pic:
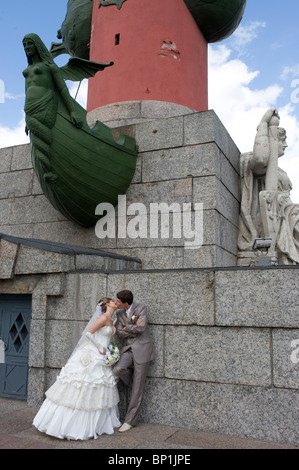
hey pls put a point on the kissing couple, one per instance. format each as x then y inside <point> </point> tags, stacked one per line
<point>83,402</point>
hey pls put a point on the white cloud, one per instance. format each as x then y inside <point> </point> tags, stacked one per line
<point>290,161</point>
<point>290,72</point>
<point>81,94</point>
<point>245,34</point>
<point>240,107</point>
<point>10,96</point>
<point>14,136</point>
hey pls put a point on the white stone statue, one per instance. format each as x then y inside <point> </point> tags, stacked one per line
<point>266,207</point>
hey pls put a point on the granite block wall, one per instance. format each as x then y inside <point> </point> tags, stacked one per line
<point>224,339</point>
<point>223,349</point>
<point>186,158</point>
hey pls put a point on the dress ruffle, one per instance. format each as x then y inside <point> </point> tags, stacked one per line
<point>74,424</point>
<point>83,396</point>
<point>82,403</point>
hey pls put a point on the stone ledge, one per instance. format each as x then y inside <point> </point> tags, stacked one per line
<point>132,112</point>
<point>33,256</point>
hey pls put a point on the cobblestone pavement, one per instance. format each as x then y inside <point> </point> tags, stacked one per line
<point>17,432</point>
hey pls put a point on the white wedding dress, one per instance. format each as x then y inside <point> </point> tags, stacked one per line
<point>83,402</point>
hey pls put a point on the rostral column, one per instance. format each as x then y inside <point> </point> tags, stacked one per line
<point>159,54</point>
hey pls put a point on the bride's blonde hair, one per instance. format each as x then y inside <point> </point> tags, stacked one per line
<point>103,303</point>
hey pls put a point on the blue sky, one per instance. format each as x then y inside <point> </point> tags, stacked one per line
<point>256,68</point>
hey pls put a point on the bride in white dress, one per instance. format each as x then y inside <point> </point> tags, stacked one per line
<point>83,402</point>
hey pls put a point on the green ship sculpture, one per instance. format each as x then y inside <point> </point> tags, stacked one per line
<point>75,30</point>
<point>77,167</point>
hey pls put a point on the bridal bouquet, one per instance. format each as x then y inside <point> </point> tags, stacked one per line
<point>112,355</point>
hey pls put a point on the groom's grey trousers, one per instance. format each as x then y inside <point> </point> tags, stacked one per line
<point>124,371</point>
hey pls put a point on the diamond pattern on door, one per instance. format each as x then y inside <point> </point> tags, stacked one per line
<point>15,316</point>
<point>19,332</point>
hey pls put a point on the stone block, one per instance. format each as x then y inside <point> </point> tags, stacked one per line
<point>37,343</point>
<point>224,258</point>
<point>156,257</point>
<point>20,230</point>
<point>211,354</point>
<point>36,386</point>
<point>39,303</point>
<point>168,295</point>
<point>61,230</point>
<point>160,134</point>
<point>133,112</point>
<point>82,292</point>
<point>244,411</point>
<point>158,192</point>
<point>90,262</point>
<point>156,368</point>
<point>183,187</point>
<point>33,209</point>
<point>286,358</point>
<point>151,109</point>
<point>229,176</point>
<point>214,195</point>
<point>211,228</point>
<point>228,236</point>
<point>15,184</point>
<point>204,256</point>
<point>5,209</point>
<point>21,157</point>
<point>55,284</point>
<point>31,260</point>
<point>51,376</point>
<point>115,112</point>
<point>19,285</point>
<point>8,255</point>
<point>256,297</point>
<point>206,127</point>
<point>178,163</point>
<point>5,159</point>
<point>137,178</point>
<point>36,187</point>
<point>59,343</point>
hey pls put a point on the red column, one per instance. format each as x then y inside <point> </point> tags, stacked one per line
<point>158,53</point>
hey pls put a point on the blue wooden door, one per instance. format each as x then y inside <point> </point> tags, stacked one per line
<point>15,316</point>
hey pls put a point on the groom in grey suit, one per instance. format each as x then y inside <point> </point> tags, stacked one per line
<point>137,353</point>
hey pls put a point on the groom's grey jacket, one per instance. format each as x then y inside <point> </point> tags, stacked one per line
<point>136,336</point>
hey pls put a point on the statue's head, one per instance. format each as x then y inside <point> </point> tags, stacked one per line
<point>34,41</point>
<point>282,141</point>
